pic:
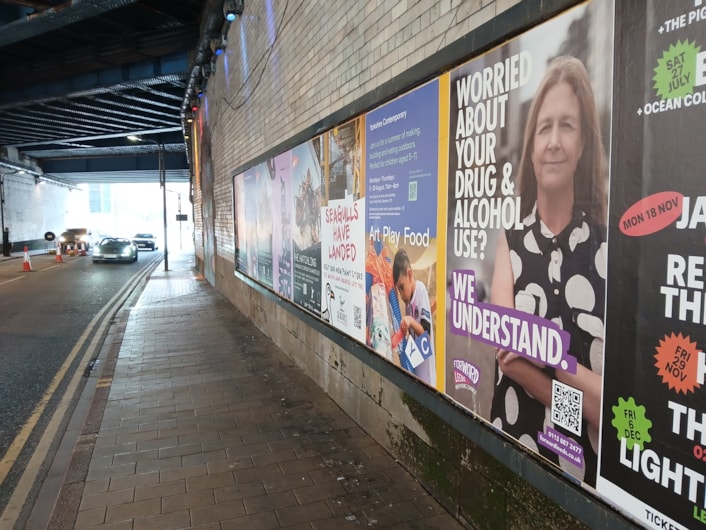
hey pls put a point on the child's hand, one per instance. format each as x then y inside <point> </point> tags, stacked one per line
<point>405,324</point>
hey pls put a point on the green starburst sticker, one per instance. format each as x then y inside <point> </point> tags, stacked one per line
<point>631,423</point>
<point>675,72</point>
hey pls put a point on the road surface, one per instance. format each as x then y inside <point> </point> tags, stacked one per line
<point>52,321</point>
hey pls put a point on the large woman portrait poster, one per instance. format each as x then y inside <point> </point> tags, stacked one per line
<point>526,250</point>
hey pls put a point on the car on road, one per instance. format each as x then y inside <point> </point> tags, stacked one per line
<point>145,240</point>
<point>73,237</point>
<point>115,249</point>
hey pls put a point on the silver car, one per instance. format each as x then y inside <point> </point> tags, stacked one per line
<point>114,249</point>
<point>145,241</point>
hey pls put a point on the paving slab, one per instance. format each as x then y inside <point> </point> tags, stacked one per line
<point>206,424</point>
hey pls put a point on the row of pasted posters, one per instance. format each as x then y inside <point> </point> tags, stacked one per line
<point>525,233</point>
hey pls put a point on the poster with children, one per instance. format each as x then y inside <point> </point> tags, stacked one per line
<point>526,245</point>
<point>401,140</point>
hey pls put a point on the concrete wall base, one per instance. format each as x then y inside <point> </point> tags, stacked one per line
<point>481,491</point>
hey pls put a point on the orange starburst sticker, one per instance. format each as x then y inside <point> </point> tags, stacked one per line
<point>678,362</point>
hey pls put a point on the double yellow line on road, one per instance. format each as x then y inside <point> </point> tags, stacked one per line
<point>101,321</point>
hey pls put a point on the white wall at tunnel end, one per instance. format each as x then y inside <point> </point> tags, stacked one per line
<point>33,208</point>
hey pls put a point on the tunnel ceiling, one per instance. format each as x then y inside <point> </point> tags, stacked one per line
<point>79,77</point>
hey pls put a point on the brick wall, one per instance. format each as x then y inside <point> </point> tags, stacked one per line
<point>287,75</point>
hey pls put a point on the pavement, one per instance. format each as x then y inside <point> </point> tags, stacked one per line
<point>200,421</point>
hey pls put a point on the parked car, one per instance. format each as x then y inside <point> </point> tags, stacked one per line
<point>73,237</point>
<point>115,249</point>
<point>145,241</point>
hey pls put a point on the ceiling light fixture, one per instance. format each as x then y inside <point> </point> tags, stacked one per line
<point>232,9</point>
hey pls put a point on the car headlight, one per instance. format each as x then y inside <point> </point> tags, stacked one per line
<point>126,251</point>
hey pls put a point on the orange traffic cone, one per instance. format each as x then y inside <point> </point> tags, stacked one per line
<point>27,265</point>
<point>83,249</point>
<point>58,259</point>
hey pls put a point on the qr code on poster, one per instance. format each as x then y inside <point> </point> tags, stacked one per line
<point>567,408</point>
<point>412,195</point>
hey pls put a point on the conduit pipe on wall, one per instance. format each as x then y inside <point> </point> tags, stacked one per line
<point>212,20</point>
<point>211,24</point>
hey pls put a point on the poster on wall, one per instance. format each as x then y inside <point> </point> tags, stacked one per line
<point>306,224</point>
<point>343,231</point>
<point>241,228</point>
<point>401,141</point>
<point>653,441</point>
<point>264,178</point>
<point>252,197</point>
<point>281,207</point>
<point>247,249</point>
<point>526,246</point>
